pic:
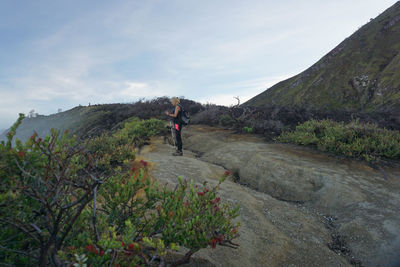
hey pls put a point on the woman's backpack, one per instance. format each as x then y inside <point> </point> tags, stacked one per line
<point>185,116</point>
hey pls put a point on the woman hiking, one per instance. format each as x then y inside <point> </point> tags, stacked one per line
<point>176,116</point>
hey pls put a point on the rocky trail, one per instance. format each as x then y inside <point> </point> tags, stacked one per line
<point>299,207</point>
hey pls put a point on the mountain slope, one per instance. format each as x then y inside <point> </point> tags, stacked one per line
<point>361,73</point>
<point>86,121</point>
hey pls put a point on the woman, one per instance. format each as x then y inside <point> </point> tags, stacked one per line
<point>176,115</point>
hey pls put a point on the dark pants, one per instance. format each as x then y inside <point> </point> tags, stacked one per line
<point>178,137</point>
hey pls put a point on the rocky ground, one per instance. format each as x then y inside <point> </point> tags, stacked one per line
<point>299,207</point>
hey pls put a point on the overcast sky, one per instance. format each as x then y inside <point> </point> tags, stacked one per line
<point>59,54</point>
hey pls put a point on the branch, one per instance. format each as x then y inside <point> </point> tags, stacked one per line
<point>76,202</point>
<point>96,183</point>
<point>78,212</point>
<point>37,230</point>
<point>6,264</point>
<point>22,228</point>
<point>184,259</point>
<point>229,244</point>
<point>35,194</point>
<point>18,252</point>
<point>238,100</point>
<point>96,233</point>
<point>112,259</point>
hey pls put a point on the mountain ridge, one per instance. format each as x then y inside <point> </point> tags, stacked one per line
<point>360,73</point>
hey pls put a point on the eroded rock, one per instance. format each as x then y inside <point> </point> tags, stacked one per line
<point>288,195</point>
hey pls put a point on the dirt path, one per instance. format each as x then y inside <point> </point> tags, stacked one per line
<point>296,201</point>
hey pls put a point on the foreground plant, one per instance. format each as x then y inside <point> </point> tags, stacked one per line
<point>140,222</point>
<point>49,183</point>
<point>64,204</point>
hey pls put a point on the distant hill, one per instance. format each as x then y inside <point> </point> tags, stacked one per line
<point>86,121</point>
<point>361,74</point>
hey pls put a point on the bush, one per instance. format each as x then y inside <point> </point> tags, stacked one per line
<point>114,150</point>
<point>59,207</point>
<point>354,139</point>
<point>134,127</point>
<point>111,151</point>
<point>50,181</point>
<point>141,223</point>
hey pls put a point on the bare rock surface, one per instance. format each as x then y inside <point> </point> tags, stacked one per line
<point>299,207</point>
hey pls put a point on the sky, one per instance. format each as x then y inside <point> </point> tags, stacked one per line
<point>60,54</point>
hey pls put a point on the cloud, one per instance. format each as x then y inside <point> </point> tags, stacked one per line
<point>245,90</point>
<point>120,51</point>
<point>140,89</point>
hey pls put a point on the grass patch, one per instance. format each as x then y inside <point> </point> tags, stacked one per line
<point>354,139</point>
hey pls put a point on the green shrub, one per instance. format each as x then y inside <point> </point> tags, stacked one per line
<point>59,207</point>
<point>135,127</point>
<point>111,151</point>
<point>114,150</point>
<point>50,181</point>
<point>140,220</point>
<point>247,129</point>
<point>353,139</point>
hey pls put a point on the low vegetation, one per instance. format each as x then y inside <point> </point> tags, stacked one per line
<point>70,203</point>
<point>353,139</point>
<point>144,129</point>
<point>93,120</point>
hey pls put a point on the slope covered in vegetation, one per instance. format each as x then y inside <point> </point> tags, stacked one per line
<point>361,73</point>
<point>87,121</point>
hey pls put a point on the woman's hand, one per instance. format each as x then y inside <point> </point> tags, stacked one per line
<point>166,113</point>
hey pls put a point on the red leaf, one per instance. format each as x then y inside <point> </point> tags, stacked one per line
<point>213,242</point>
<point>21,154</point>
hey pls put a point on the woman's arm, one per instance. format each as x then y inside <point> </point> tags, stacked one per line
<point>177,109</point>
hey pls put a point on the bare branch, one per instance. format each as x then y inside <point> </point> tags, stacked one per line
<point>238,100</point>
<point>94,218</point>
<point>37,229</point>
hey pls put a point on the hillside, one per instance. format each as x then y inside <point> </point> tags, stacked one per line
<point>86,121</point>
<point>360,74</point>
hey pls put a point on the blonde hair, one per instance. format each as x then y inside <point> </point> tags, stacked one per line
<point>175,100</point>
